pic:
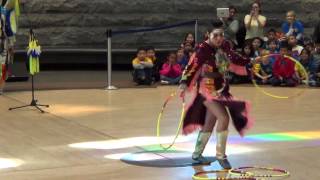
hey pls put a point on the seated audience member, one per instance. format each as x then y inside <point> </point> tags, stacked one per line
<point>187,47</point>
<point>295,48</point>
<point>151,54</point>
<point>273,48</point>
<point>316,53</point>
<point>206,35</point>
<point>271,35</point>
<point>191,52</point>
<point>284,69</point>
<point>263,71</point>
<point>189,38</point>
<point>309,45</point>
<point>182,59</point>
<point>309,65</point>
<point>171,71</point>
<point>238,72</point>
<point>316,57</point>
<point>257,45</point>
<point>293,27</point>
<point>142,65</point>
<point>188,50</point>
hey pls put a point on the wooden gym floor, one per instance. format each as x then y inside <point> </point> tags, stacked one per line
<point>86,132</point>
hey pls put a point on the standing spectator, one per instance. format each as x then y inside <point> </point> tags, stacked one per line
<point>284,69</point>
<point>171,71</point>
<point>293,44</point>
<point>231,26</point>
<point>255,22</point>
<point>293,27</point>
<point>142,66</point>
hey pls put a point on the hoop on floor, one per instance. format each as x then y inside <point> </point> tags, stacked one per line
<point>283,97</point>
<point>172,95</point>
<point>244,170</point>
<point>240,176</point>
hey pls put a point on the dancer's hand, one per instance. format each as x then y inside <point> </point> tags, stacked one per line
<point>182,89</point>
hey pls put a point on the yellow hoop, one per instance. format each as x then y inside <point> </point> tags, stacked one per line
<point>180,122</point>
<point>282,97</point>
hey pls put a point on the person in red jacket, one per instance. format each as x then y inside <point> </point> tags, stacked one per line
<point>284,69</point>
<point>171,71</point>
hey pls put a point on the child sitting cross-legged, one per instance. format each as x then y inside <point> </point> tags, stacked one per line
<point>263,71</point>
<point>284,68</point>
<point>142,73</point>
<point>171,71</point>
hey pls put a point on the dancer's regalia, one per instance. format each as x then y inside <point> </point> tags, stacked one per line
<point>9,12</point>
<point>205,76</point>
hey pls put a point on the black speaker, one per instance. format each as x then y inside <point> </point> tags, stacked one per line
<point>17,72</point>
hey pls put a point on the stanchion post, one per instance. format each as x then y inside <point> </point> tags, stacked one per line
<point>109,37</point>
<point>196,31</point>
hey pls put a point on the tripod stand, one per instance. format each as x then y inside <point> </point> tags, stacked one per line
<point>33,101</point>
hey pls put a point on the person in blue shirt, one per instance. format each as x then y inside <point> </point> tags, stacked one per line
<point>293,27</point>
<point>182,58</point>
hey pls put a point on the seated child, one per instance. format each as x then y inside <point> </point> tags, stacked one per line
<point>310,66</point>
<point>171,71</point>
<point>273,47</point>
<point>238,72</point>
<point>296,49</point>
<point>293,26</point>
<point>257,45</point>
<point>271,36</point>
<point>182,59</point>
<point>151,54</point>
<point>263,71</point>
<point>142,66</point>
<point>284,69</point>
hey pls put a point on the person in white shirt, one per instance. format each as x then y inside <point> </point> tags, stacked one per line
<point>255,22</point>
